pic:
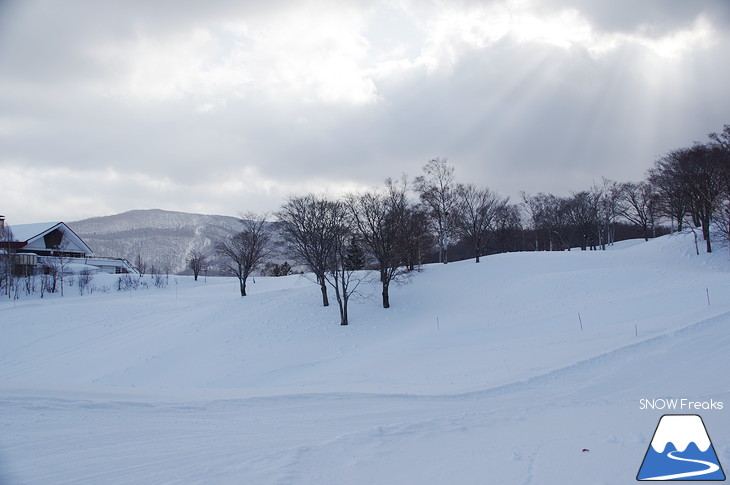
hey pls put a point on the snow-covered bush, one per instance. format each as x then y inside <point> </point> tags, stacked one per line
<point>127,282</point>
<point>84,279</point>
<point>160,280</point>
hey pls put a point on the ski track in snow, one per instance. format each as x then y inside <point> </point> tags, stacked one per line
<point>212,389</point>
<point>711,468</point>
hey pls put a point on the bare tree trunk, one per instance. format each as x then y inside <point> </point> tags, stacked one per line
<point>342,301</point>
<point>323,287</point>
<point>694,233</point>
<point>386,297</point>
<point>706,233</point>
<point>242,284</point>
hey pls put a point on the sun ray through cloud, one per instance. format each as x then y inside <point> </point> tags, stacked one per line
<point>314,91</point>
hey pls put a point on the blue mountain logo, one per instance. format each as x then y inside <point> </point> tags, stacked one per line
<point>681,450</point>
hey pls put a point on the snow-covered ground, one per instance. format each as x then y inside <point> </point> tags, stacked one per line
<point>480,373</point>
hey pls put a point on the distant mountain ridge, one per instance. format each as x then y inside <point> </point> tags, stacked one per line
<point>161,238</point>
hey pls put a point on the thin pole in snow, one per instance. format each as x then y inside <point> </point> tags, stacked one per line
<point>438,328</point>
<point>636,330</point>
<point>708,296</point>
<point>581,322</point>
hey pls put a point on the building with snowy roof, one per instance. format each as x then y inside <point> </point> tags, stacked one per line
<point>33,244</point>
<point>48,239</point>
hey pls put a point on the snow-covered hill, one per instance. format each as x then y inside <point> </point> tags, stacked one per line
<point>161,238</point>
<point>477,374</point>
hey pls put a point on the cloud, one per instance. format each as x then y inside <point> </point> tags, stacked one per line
<point>221,107</point>
<point>296,55</point>
<point>649,17</point>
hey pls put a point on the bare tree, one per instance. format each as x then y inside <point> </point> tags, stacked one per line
<point>672,198</point>
<point>311,226</point>
<point>438,192</point>
<point>197,262</point>
<point>477,209</point>
<point>418,238</point>
<point>379,219</point>
<point>245,251</point>
<point>342,273</point>
<point>721,143</point>
<point>141,265</point>
<point>508,230</point>
<point>607,197</point>
<point>722,221</point>
<point>722,139</point>
<point>638,205</point>
<point>698,175</point>
<point>534,209</point>
<point>84,281</point>
<point>551,219</point>
<point>7,257</point>
<point>583,215</point>
<point>61,259</point>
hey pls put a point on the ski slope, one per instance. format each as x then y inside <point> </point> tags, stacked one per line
<point>479,373</point>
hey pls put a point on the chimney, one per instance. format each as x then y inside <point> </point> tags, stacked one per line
<point>2,227</point>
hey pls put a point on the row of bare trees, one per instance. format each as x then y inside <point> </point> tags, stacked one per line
<point>394,229</point>
<point>586,219</point>
<point>390,231</point>
<point>692,185</point>
<point>380,230</point>
<point>687,187</point>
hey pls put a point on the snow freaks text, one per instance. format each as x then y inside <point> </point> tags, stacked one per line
<point>680,405</point>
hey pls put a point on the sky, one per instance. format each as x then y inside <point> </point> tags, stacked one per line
<point>225,107</point>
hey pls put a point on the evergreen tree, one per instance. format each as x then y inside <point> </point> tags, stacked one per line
<point>355,256</point>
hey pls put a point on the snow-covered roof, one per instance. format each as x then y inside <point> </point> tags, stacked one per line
<point>28,233</point>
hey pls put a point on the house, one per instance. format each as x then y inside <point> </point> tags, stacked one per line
<point>37,245</point>
<point>48,239</point>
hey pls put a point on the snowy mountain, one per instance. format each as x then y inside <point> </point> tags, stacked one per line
<point>478,373</point>
<point>680,430</point>
<point>161,238</point>
<point>680,450</point>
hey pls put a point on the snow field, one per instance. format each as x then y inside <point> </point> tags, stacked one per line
<point>478,374</point>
